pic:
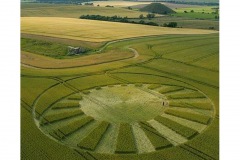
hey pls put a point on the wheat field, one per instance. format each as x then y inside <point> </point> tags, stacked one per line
<point>95,31</point>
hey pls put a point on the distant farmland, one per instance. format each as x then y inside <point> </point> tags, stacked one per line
<point>73,11</point>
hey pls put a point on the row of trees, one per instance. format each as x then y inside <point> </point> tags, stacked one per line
<point>170,24</point>
<point>126,20</point>
<point>116,19</point>
<point>149,16</point>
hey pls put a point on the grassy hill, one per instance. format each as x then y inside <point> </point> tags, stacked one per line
<point>73,11</point>
<point>157,8</point>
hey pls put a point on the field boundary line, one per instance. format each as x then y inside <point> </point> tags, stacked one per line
<point>203,57</point>
<point>29,109</point>
<point>188,64</point>
<point>79,153</point>
<point>197,152</point>
<point>53,103</point>
<point>205,44</point>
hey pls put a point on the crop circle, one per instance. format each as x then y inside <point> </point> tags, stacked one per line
<point>150,117</point>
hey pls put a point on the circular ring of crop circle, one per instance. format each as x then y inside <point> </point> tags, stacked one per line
<point>126,118</point>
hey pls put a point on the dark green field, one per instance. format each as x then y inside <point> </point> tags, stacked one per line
<point>153,97</point>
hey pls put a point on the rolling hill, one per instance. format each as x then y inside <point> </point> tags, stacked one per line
<point>157,8</point>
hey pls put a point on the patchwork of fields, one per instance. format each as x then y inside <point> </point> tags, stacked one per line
<point>142,92</point>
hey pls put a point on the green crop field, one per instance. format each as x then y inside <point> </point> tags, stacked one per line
<point>139,92</point>
<point>125,141</point>
<point>204,12</point>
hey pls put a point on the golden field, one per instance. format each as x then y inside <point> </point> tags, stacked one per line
<point>95,31</point>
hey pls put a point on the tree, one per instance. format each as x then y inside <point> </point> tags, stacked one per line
<point>141,16</point>
<point>141,22</point>
<point>150,15</point>
<point>170,24</point>
<point>165,25</point>
<point>185,12</point>
<point>192,11</point>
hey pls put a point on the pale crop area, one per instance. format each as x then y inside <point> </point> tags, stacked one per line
<point>95,31</point>
<point>122,104</point>
<point>118,3</point>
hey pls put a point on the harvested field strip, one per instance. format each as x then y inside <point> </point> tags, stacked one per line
<point>61,116</point>
<point>125,141</point>
<point>79,134</point>
<point>75,125</point>
<point>158,141</point>
<point>91,141</point>
<point>168,133</point>
<point>109,140</point>
<point>190,116</point>
<point>66,105</point>
<point>142,142</point>
<point>182,130</point>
